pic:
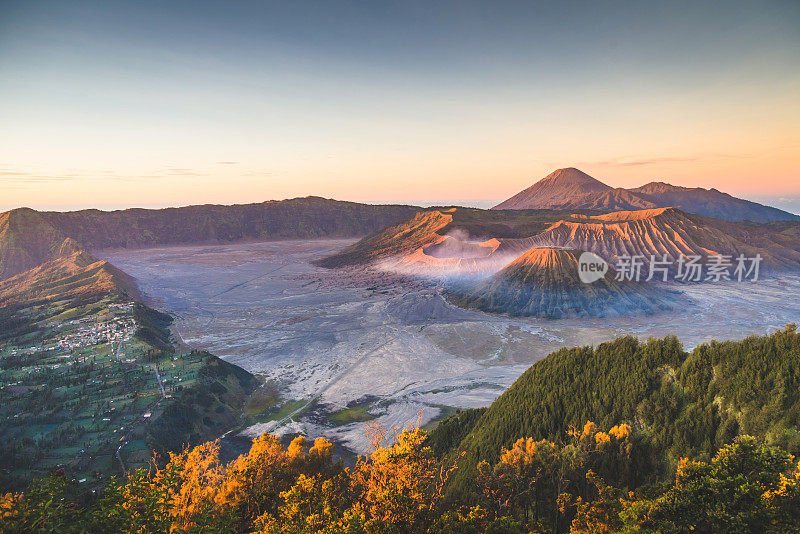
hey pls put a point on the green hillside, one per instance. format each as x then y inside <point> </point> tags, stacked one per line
<point>685,404</point>
<point>90,382</point>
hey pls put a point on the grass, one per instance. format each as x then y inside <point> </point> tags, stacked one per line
<point>287,408</point>
<point>262,400</point>
<point>352,414</point>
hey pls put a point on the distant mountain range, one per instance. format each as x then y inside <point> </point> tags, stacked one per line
<point>571,188</point>
<point>673,232</point>
<point>474,240</point>
<point>45,253</point>
<point>29,237</point>
<point>452,238</point>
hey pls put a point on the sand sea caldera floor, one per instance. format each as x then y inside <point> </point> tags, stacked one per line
<point>330,339</point>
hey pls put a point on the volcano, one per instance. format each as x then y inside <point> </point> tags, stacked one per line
<point>670,231</point>
<point>573,189</point>
<point>545,282</point>
<point>562,189</point>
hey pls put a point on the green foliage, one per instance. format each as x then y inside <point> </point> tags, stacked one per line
<point>607,384</point>
<point>203,410</point>
<point>454,429</point>
<point>152,327</point>
<point>535,486</point>
<point>747,487</point>
<point>686,405</point>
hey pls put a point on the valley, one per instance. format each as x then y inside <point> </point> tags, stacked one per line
<point>335,348</point>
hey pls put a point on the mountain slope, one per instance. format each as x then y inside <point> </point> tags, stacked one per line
<point>297,218</point>
<point>710,203</point>
<point>78,347</point>
<point>404,238</point>
<point>566,188</point>
<point>666,231</point>
<point>460,240</point>
<point>26,240</point>
<point>74,274</point>
<point>544,282</point>
<point>452,238</point>
<point>573,189</point>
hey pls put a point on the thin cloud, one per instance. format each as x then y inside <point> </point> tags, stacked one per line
<point>625,162</point>
<point>185,172</point>
<point>30,178</point>
<point>641,162</point>
<point>227,162</point>
<point>8,176</point>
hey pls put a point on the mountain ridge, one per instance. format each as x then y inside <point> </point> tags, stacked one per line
<point>29,237</point>
<point>570,188</point>
<point>669,231</point>
<point>444,241</point>
<point>76,273</point>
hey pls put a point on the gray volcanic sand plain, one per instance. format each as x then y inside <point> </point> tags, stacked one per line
<point>332,338</point>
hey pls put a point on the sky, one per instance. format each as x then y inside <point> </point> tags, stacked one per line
<point>116,104</point>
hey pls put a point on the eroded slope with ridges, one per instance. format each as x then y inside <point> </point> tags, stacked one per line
<point>545,282</point>
<point>666,231</point>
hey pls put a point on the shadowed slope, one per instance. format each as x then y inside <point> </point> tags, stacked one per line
<point>29,237</point>
<point>710,203</point>
<point>545,282</point>
<point>26,240</point>
<point>297,218</point>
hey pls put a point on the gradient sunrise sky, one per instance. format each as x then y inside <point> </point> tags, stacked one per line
<point>115,104</point>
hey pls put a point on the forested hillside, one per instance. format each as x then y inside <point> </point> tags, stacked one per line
<point>685,404</point>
